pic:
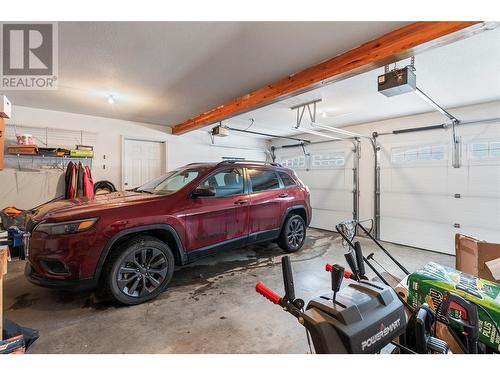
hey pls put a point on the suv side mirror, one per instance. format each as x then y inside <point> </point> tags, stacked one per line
<point>203,191</point>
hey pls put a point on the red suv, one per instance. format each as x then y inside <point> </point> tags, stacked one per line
<point>129,242</point>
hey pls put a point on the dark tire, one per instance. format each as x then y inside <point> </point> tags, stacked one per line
<point>293,234</point>
<point>138,270</point>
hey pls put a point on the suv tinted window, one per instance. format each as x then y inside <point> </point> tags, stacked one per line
<point>226,182</point>
<point>287,180</point>
<point>263,179</point>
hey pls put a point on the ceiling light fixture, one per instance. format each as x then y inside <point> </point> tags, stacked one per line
<point>111,99</point>
<point>339,131</point>
<point>314,132</point>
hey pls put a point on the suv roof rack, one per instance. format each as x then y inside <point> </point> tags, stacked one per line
<point>243,161</point>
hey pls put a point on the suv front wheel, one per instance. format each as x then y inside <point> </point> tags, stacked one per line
<point>293,234</point>
<point>139,270</point>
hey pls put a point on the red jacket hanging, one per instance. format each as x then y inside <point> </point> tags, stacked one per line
<point>88,183</point>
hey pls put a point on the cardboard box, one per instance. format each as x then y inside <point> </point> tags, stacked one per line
<point>22,149</point>
<point>473,254</point>
<point>429,284</point>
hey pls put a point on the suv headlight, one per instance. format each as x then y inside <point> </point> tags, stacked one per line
<point>66,227</point>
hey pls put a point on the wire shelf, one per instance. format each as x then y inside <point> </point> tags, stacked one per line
<point>36,163</point>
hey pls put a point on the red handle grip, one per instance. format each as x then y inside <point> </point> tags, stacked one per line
<point>262,289</point>
<point>347,274</point>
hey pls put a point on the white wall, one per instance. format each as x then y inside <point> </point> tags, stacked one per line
<point>28,189</point>
<point>468,113</point>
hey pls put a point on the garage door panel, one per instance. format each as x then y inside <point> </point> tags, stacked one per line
<point>478,212</point>
<point>417,233</point>
<point>433,236</point>
<point>485,234</point>
<point>326,219</point>
<point>417,206</point>
<point>324,179</point>
<point>331,200</point>
<point>484,179</point>
<point>468,211</point>
<point>418,180</point>
<point>457,180</point>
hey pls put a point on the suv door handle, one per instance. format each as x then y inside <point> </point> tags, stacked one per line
<point>241,201</point>
<point>284,195</point>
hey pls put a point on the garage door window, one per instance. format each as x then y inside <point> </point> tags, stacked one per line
<point>485,150</point>
<point>328,160</point>
<point>414,154</point>
<point>295,162</point>
<point>263,179</point>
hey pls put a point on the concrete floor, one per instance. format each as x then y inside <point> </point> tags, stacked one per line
<point>210,306</point>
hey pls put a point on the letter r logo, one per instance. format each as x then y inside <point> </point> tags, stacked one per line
<point>27,49</point>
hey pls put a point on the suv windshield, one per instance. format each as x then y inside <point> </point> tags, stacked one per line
<point>171,182</point>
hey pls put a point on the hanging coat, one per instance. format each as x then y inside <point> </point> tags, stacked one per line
<point>88,183</point>
<point>67,179</point>
<point>72,185</point>
<point>79,189</point>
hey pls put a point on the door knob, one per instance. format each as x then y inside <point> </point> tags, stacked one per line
<point>241,201</point>
<point>284,195</point>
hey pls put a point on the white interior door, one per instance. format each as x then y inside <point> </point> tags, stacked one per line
<point>425,201</point>
<point>142,162</point>
<point>327,171</point>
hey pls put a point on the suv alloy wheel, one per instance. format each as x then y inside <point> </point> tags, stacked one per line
<point>139,270</point>
<point>293,234</point>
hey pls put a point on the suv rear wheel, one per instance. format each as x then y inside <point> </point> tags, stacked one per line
<point>139,270</point>
<point>293,234</point>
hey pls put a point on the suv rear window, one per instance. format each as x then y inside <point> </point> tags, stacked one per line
<point>263,179</point>
<point>287,180</point>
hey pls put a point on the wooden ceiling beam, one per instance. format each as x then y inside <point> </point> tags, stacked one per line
<point>393,46</point>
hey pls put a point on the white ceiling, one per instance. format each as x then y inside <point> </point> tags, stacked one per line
<point>166,72</point>
<point>462,73</point>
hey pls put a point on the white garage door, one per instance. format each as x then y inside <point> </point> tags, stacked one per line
<point>327,171</point>
<point>425,201</point>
